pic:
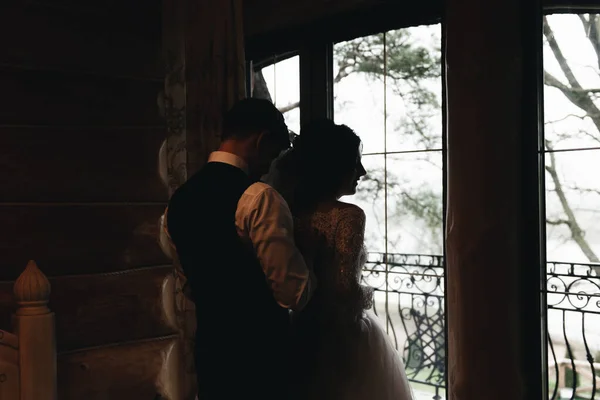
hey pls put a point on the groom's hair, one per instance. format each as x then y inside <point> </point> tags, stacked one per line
<point>251,116</point>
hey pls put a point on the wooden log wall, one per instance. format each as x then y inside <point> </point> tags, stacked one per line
<point>80,132</point>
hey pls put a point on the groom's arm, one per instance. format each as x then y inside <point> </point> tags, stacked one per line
<point>265,219</point>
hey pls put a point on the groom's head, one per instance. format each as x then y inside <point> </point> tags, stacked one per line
<point>255,130</point>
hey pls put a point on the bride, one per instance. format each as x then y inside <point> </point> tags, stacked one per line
<point>344,352</point>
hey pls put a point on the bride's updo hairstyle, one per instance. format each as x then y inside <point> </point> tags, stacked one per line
<point>322,156</point>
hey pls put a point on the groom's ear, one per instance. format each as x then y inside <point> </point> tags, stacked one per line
<point>261,138</point>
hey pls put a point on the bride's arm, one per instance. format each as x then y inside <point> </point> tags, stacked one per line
<point>349,240</point>
<point>350,252</point>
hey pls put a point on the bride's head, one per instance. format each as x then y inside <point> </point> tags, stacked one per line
<point>325,161</point>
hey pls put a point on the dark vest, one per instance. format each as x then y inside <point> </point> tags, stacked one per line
<point>240,327</point>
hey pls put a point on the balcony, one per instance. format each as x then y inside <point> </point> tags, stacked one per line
<point>409,299</point>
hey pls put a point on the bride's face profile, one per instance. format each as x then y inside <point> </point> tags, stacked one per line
<point>350,181</point>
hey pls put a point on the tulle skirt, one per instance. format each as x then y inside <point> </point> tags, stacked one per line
<point>352,363</point>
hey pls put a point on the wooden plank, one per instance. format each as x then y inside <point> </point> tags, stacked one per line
<point>94,310</point>
<point>33,35</point>
<point>127,371</point>
<point>33,97</point>
<point>75,239</point>
<point>136,13</point>
<point>51,165</point>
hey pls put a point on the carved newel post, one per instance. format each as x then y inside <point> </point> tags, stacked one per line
<point>34,325</point>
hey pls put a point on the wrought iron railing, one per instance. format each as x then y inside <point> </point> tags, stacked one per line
<point>573,298</point>
<point>409,297</point>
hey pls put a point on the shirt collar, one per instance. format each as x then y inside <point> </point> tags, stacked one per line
<point>228,158</point>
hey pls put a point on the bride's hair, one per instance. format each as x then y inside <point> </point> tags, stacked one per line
<point>321,157</point>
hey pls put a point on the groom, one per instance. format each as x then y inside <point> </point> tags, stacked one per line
<point>234,239</point>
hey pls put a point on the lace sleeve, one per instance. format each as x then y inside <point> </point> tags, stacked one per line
<point>351,257</point>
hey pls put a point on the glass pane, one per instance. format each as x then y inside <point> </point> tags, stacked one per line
<point>572,81</point>
<point>370,197</point>
<point>573,206</point>
<point>572,131</point>
<point>414,88</point>
<point>358,93</point>
<point>388,89</point>
<point>280,83</point>
<point>415,203</point>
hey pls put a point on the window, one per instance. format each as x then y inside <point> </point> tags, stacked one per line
<point>278,80</point>
<point>572,161</point>
<point>388,88</point>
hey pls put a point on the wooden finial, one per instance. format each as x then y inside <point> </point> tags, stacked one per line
<point>32,291</point>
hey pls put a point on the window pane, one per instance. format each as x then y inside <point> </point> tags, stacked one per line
<point>359,95</point>
<point>370,197</point>
<point>572,85</point>
<point>280,83</point>
<point>572,203</point>
<point>388,89</point>
<point>573,206</point>
<point>415,203</point>
<point>414,89</point>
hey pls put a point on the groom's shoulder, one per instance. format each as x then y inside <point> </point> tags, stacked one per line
<point>258,188</point>
<point>261,189</point>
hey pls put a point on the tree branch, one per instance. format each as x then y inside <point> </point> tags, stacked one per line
<point>574,92</point>
<point>577,233</point>
<point>567,117</point>
<point>557,222</point>
<point>591,26</point>
<point>289,107</point>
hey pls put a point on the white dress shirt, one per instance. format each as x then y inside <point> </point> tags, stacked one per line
<point>264,221</point>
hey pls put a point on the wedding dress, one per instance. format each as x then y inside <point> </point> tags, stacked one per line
<point>344,351</point>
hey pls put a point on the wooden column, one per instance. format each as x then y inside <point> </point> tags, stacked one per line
<point>493,265</point>
<point>316,82</point>
<point>34,326</point>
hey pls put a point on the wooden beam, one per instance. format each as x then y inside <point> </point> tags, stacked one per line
<point>263,16</point>
<point>316,82</point>
<point>267,16</point>
<point>274,28</point>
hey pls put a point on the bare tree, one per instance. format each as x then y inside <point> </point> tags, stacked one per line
<point>587,100</point>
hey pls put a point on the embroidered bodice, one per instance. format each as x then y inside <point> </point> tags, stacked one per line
<point>332,240</point>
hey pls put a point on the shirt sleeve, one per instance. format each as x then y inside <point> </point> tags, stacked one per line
<point>267,221</point>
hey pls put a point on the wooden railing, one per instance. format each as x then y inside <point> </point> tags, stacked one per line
<point>28,356</point>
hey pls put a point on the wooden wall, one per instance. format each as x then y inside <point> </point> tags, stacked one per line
<point>80,132</point>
